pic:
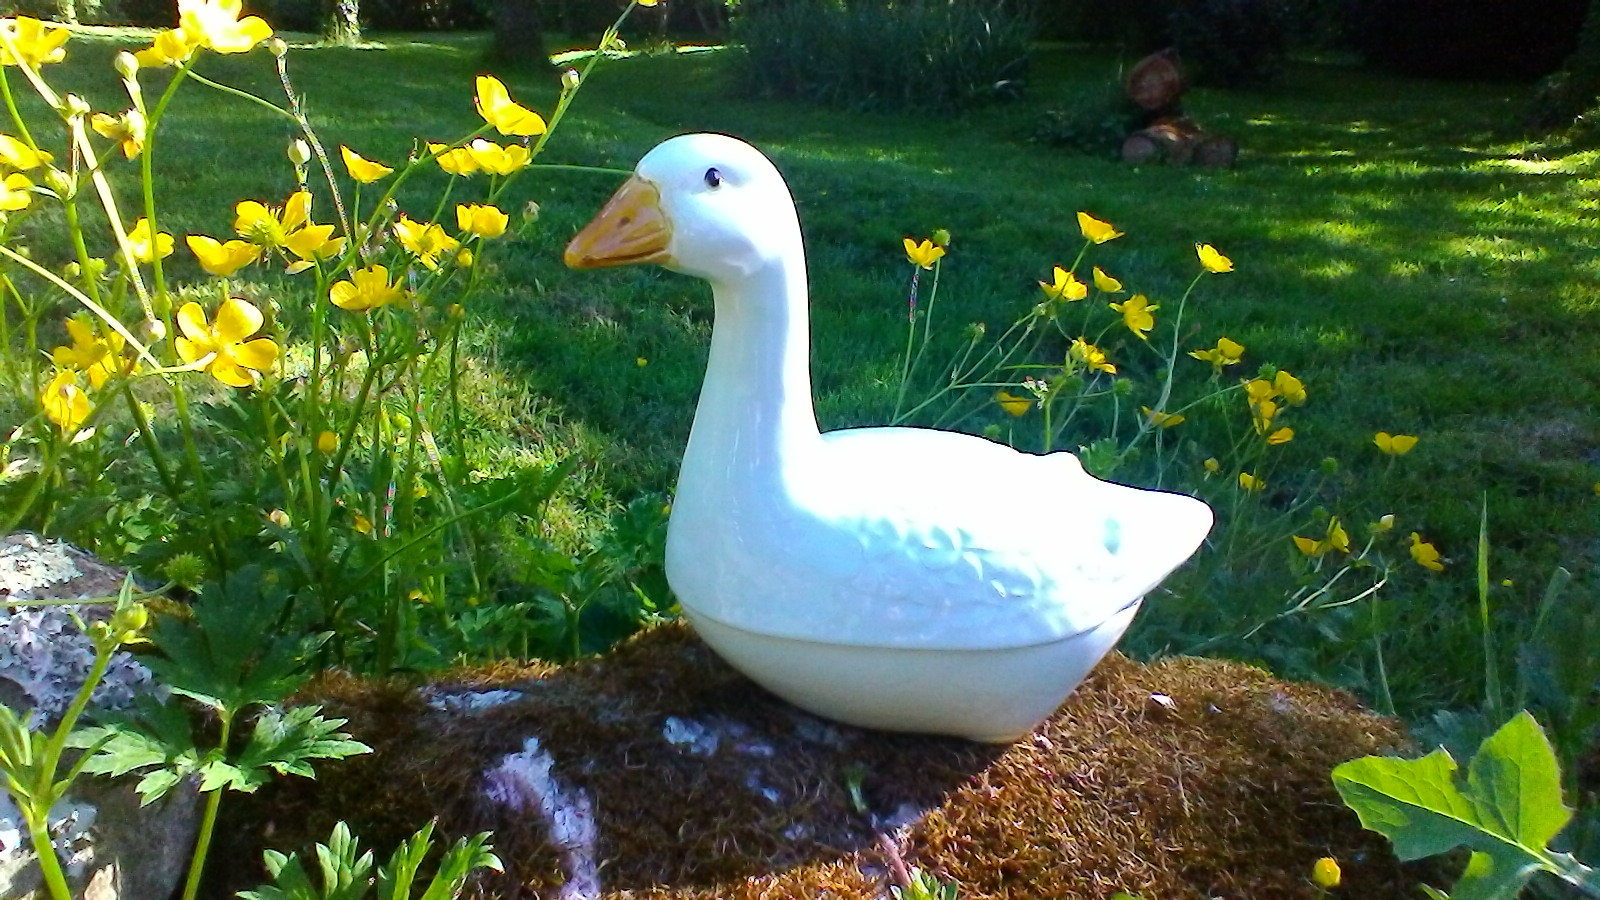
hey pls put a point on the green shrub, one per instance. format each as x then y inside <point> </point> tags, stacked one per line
<point>874,54</point>
<point>1469,38</point>
<point>1232,43</point>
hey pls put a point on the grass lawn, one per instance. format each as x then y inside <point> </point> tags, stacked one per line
<point>1418,264</point>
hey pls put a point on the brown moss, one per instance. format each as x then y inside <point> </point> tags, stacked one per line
<point>1187,778</point>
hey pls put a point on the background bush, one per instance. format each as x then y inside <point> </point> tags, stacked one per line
<point>1469,38</point>
<point>876,54</point>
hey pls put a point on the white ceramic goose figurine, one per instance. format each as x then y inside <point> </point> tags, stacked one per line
<point>897,578</point>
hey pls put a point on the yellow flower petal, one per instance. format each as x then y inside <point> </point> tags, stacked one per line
<point>1064,286</point>
<point>18,155</point>
<point>1425,554</point>
<point>1105,283</point>
<point>1096,230</point>
<point>222,259</point>
<point>236,320</point>
<point>1249,482</point>
<point>260,354</point>
<point>361,169</point>
<point>482,220</point>
<point>923,254</point>
<point>1211,260</point>
<point>1394,444</point>
<point>31,42</point>
<point>495,105</point>
<point>1012,404</point>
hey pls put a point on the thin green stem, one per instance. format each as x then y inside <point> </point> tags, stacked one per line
<point>208,822</point>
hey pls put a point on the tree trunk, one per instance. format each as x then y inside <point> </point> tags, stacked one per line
<point>344,26</point>
<point>518,35</point>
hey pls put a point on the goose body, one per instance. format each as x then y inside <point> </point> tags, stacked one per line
<point>899,578</point>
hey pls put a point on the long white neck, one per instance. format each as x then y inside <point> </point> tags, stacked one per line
<point>755,409</point>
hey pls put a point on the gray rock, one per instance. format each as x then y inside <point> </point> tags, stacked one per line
<point>109,846</point>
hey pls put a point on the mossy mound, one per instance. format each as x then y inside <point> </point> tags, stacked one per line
<point>1187,778</point>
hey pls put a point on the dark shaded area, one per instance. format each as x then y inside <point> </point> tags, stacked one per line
<point>1188,778</point>
<point>1479,39</point>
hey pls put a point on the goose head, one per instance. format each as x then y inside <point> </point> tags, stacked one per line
<point>706,205</point>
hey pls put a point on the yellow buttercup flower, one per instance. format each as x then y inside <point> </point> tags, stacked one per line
<point>222,344</point>
<point>145,246</point>
<point>1425,554</point>
<point>1394,444</point>
<point>215,25</point>
<point>923,255</point>
<point>1326,873</point>
<point>1211,260</point>
<point>1281,436</point>
<point>126,128</point>
<point>457,161</point>
<point>426,242</point>
<point>647,2</point>
<point>1290,388</point>
<point>18,155</point>
<point>510,118</point>
<point>1225,353</point>
<point>1136,315</point>
<point>95,356</point>
<point>481,220</point>
<point>256,222</point>
<point>16,192</point>
<point>222,259</point>
<point>1161,419</point>
<point>1012,404</point>
<point>1105,283</point>
<point>312,242</point>
<point>464,258</point>
<point>367,288</point>
<point>1091,356</point>
<point>1250,482</point>
<point>170,48</point>
<point>361,523</point>
<point>1212,466</point>
<point>361,169</point>
<point>498,160</point>
<point>327,443</point>
<point>1336,539</point>
<point>64,403</point>
<point>25,40</point>
<point>1096,230</point>
<point>1064,286</point>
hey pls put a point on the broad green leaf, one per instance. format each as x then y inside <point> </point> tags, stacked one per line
<point>1510,808</point>
<point>1515,784</point>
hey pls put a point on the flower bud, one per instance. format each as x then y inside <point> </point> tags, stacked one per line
<point>530,213</point>
<point>1326,873</point>
<point>279,518</point>
<point>456,311</point>
<point>128,621</point>
<point>276,47</point>
<point>941,237</point>
<point>75,106</point>
<point>570,79</point>
<point>127,65</point>
<point>58,181</point>
<point>299,152</point>
<point>152,330</point>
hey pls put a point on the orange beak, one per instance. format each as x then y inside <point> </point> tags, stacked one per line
<point>630,228</point>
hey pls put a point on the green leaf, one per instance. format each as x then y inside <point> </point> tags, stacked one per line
<point>155,738</point>
<point>284,741</point>
<point>1510,809</point>
<point>1516,785</point>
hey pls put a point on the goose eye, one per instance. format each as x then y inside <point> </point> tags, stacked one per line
<point>713,178</point>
